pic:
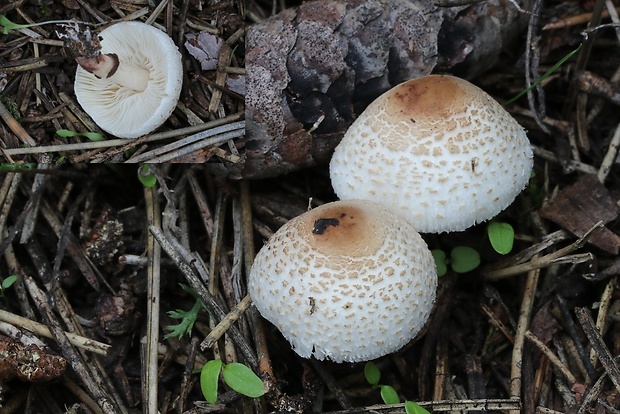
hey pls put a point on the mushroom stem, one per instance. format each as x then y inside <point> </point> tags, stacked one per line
<point>108,66</point>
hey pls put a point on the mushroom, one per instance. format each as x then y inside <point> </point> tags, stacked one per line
<point>438,150</point>
<point>132,84</point>
<point>348,281</point>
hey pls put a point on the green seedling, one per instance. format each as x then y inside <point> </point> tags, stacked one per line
<point>232,55</point>
<point>373,375</point>
<point>129,153</point>
<point>146,176</point>
<point>188,318</point>
<point>7,283</point>
<point>9,25</point>
<point>440,261</point>
<point>237,376</point>
<point>413,408</point>
<point>93,136</point>
<point>209,380</point>
<point>463,259</point>
<point>501,235</point>
<point>544,76</point>
<point>388,393</point>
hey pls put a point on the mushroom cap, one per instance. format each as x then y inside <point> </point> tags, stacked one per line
<point>124,112</point>
<point>349,281</point>
<point>438,150</point>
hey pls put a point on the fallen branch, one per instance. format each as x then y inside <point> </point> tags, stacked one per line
<point>42,330</point>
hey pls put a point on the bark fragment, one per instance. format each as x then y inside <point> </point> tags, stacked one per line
<point>306,67</point>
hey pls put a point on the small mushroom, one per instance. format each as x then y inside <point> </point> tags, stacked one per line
<point>131,85</point>
<point>349,281</point>
<point>438,150</point>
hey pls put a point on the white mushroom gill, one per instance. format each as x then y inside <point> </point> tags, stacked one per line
<point>116,103</point>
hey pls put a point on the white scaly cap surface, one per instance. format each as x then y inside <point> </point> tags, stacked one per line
<point>438,150</point>
<point>124,112</point>
<point>348,281</point>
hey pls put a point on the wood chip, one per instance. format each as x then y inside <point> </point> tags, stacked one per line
<point>579,207</point>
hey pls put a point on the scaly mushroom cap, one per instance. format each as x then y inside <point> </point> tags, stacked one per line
<point>119,110</point>
<point>438,150</point>
<point>349,281</point>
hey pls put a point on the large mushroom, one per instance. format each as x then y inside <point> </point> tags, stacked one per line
<point>437,150</point>
<point>131,85</point>
<point>348,281</point>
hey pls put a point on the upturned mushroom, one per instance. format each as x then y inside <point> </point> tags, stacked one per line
<point>437,150</point>
<point>348,281</point>
<point>130,80</point>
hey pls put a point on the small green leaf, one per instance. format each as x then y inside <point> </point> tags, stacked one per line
<point>189,290</point>
<point>8,281</point>
<point>188,318</point>
<point>209,378</point>
<point>501,236</point>
<point>413,408</point>
<point>389,395</point>
<point>5,23</point>
<point>65,133</point>
<point>9,25</point>
<point>146,177</point>
<point>464,259</point>
<point>93,136</point>
<point>372,373</point>
<point>243,380</point>
<point>440,261</point>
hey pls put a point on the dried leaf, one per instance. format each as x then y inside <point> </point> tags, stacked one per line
<point>205,48</point>
<point>236,83</point>
<point>579,207</point>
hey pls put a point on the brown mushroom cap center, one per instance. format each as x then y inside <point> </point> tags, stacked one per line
<point>427,107</point>
<point>431,97</point>
<point>342,231</point>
